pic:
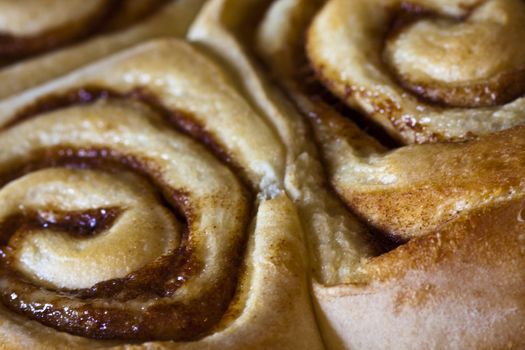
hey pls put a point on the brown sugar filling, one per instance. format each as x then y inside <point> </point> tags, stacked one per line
<point>498,90</point>
<point>85,312</point>
<point>113,15</point>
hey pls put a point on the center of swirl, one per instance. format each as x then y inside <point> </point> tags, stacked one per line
<point>475,61</point>
<point>141,276</point>
<point>59,241</point>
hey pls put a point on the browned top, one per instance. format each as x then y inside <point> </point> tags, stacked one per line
<point>110,15</point>
<point>498,90</point>
<point>74,311</point>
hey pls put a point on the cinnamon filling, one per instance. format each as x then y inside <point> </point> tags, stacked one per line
<point>113,15</point>
<point>181,120</point>
<point>79,224</point>
<point>308,82</point>
<point>139,306</point>
<point>493,90</point>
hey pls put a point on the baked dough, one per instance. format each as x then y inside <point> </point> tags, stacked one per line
<point>446,71</point>
<point>444,268</point>
<point>218,194</point>
<point>134,23</point>
<point>134,216</point>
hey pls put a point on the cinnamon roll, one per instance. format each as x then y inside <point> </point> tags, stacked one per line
<point>416,246</point>
<point>426,71</point>
<point>143,206</point>
<point>41,40</point>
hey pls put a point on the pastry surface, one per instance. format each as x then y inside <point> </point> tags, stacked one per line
<point>134,216</point>
<point>292,174</point>
<point>45,49</point>
<point>411,246</point>
<point>427,71</point>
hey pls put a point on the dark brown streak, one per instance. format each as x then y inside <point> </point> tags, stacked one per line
<point>18,47</point>
<point>155,281</point>
<point>499,90</point>
<point>102,159</point>
<point>125,19</point>
<point>308,81</point>
<point>81,224</point>
<point>314,86</point>
<point>107,19</point>
<point>181,120</point>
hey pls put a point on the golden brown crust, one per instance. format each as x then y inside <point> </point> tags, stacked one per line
<point>419,246</point>
<point>137,21</point>
<point>462,287</point>
<point>237,257</point>
<point>450,71</point>
<point>458,280</point>
<point>33,27</point>
<point>26,32</point>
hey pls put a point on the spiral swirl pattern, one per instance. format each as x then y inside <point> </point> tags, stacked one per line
<point>177,262</point>
<point>398,192</point>
<point>128,197</point>
<point>446,71</point>
<point>421,237</point>
<point>31,27</point>
<point>158,199</point>
<point>42,40</point>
